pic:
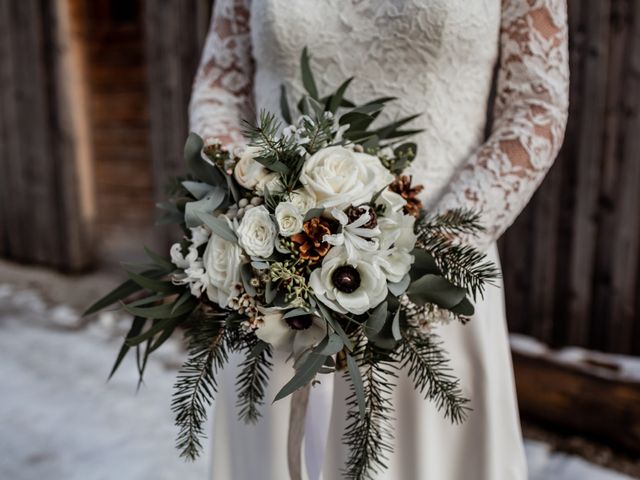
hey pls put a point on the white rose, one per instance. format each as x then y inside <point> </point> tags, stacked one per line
<point>302,200</point>
<point>257,233</point>
<point>222,261</point>
<point>391,201</point>
<point>344,285</point>
<point>339,177</point>
<point>249,172</point>
<point>397,231</point>
<point>289,219</point>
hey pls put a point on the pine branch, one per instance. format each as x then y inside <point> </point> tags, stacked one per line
<point>252,379</point>
<point>196,385</point>
<point>429,369</point>
<point>370,438</point>
<point>458,221</point>
<point>462,265</point>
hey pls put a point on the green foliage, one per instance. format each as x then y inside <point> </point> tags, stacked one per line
<point>429,369</point>
<point>458,221</point>
<point>209,346</point>
<point>252,379</point>
<point>369,437</point>
<point>437,290</point>
<point>462,265</point>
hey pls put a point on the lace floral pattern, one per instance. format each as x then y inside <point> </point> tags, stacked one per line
<point>530,116</point>
<point>436,56</point>
<point>222,91</point>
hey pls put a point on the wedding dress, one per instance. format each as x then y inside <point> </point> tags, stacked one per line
<point>438,58</point>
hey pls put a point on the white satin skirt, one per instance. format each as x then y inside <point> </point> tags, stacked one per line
<point>488,446</point>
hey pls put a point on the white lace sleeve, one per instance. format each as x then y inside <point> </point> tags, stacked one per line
<point>530,115</point>
<point>222,91</point>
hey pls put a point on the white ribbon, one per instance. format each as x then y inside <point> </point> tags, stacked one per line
<point>309,420</point>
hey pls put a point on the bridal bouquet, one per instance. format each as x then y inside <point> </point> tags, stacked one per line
<point>311,241</point>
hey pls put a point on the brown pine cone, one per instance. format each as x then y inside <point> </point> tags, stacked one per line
<point>309,242</point>
<point>402,186</point>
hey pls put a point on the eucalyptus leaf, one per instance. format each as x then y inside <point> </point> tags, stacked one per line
<point>198,189</point>
<point>395,326</point>
<point>389,129</point>
<point>334,345</point>
<point>206,205</point>
<point>161,311</point>
<point>336,98</point>
<point>158,327</point>
<point>197,165</point>
<point>270,292</point>
<point>437,290</point>
<point>356,381</point>
<point>160,261</point>
<point>464,308</point>
<point>121,292</point>
<point>136,327</point>
<point>246,274</point>
<point>376,320</point>
<point>423,264</point>
<point>284,105</point>
<point>304,374</point>
<point>296,312</point>
<point>313,213</point>
<point>219,227</point>
<point>307,75</point>
<point>333,323</point>
<point>152,284</point>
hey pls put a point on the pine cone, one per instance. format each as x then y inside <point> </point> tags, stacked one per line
<point>309,242</point>
<point>402,186</point>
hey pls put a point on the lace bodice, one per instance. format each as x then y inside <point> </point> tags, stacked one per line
<point>436,56</point>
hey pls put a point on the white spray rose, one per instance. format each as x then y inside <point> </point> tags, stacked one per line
<point>222,261</point>
<point>257,233</point>
<point>302,200</point>
<point>289,219</point>
<point>249,172</point>
<point>339,177</point>
<point>349,285</point>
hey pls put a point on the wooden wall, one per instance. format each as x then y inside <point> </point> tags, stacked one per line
<point>46,194</point>
<point>571,261</point>
<point>112,32</point>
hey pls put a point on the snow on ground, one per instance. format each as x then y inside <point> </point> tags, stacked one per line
<point>60,420</point>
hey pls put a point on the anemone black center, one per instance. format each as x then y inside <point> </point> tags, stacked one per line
<point>299,323</point>
<point>346,278</point>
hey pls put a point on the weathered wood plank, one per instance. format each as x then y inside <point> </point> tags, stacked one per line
<point>175,34</point>
<point>587,394</point>
<point>610,175</point>
<point>45,217</point>
<point>626,235</point>
<point>588,165</point>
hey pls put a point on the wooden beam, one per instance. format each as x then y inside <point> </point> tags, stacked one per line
<point>589,395</point>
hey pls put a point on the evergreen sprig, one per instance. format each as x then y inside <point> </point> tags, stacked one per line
<point>458,221</point>
<point>252,379</point>
<point>429,369</point>
<point>462,265</point>
<point>369,437</point>
<point>194,391</point>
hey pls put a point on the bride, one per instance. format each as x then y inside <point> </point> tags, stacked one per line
<point>438,58</point>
